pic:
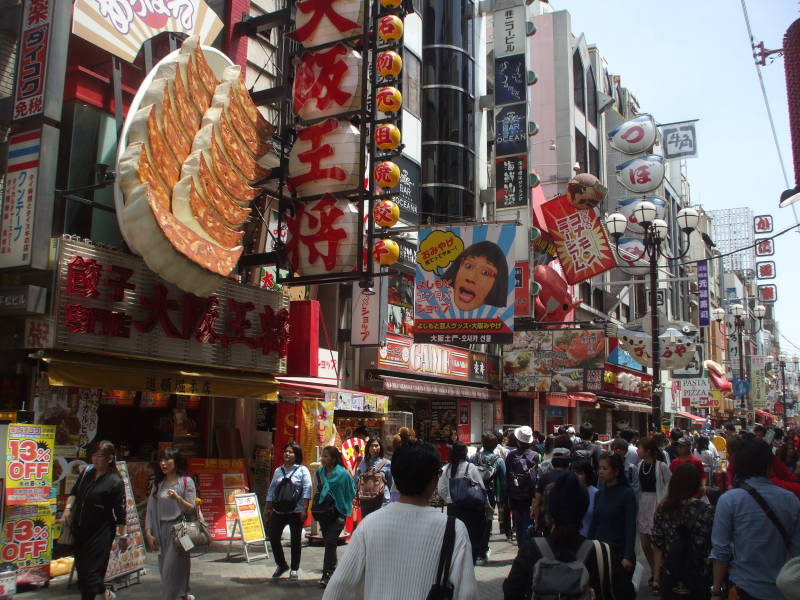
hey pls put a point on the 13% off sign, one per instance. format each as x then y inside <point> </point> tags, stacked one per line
<point>29,464</point>
<point>27,541</point>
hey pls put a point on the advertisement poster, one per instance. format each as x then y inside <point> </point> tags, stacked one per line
<point>74,411</point>
<point>465,285</point>
<point>510,130</point>
<point>444,420</point>
<point>317,426</point>
<point>464,421</point>
<point>26,541</point>
<point>133,559</point>
<point>219,481</point>
<point>511,182</point>
<point>580,239</point>
<point>286,423</point>
<point>562,360</point>
<point>29,464</point>
<point>19,197</point>
<point>249,518</point>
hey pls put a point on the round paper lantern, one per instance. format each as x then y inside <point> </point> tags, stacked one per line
<point>389,99</point>
<point>387,137</point>
<point>386,213</point>
<point>391,3</point>
<point>385,252</point>
<point>389,64</point>
<point>390,27</point>
<point>387,174</point>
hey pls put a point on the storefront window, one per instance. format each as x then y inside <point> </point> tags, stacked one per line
<point>412,90</point>
<point>578,81</point>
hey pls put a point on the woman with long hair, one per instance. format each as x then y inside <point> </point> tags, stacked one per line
<point>172,498</point>
<point>375,464</point>
<point>653,478</point>
<point>683,519</point>
<point>333,480</point>
<point>614,522</point>
<point>474,519</point>
<point>95,509</point>
<point>567,501</point>
<point>788,456</point>
<point>287,504</point>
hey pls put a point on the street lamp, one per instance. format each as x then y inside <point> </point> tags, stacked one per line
<point>782,362</point>
<point>739,313</point>
<point>655,232</point>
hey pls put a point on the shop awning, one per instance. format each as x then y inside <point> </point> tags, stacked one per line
<point>418,386</point>
<point>93,371</point>
<point>633,406</point>
<point>570,400</point>
<point>691,417</point>
<point>766,415</point>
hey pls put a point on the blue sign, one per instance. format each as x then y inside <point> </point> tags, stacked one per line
<point>510,130</point>
<point>509,79</point>
<point>702,294</point>
<point>741,387</point>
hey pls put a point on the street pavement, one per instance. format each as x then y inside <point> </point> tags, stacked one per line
<point>215,577</point>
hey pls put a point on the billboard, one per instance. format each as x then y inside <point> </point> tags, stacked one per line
<point>464,288</point>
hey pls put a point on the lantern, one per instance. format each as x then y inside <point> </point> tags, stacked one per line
<point>386,213</point>
<point>387,174</point>
<point>389,99</point>
<point>635,136</point>
<point>387,137</point>
<point>643,174</point>
<point>327,83</point>
<point>390,27</point>
<point>385,252</point>
<point>389,64</point>
<point>391,3</point>
<point>317,23</point>
<point>324,158</point>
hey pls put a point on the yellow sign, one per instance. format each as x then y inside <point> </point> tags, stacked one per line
<point>318,429</point>
<point>29,463</point>
<point>250,518</point>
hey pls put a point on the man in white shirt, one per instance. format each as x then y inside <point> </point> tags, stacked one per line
<point>394,552</point>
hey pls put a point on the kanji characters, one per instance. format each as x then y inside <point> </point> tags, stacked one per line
<point>314,156</point>
<point>83,277</point>
<point>118,282</point>
<point>318,79</point>
<point>313,227</point>
<point>640,175</point>
<point>318,10</point>
<point>239,324</point>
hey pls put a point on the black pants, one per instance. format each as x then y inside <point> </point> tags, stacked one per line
<point>476,528</point>
<point>277,522</point>
<point>92,551</point>
<point>504,518</point>
<point>330,535</point>
<point>487,531</point>
<point>622,578</point>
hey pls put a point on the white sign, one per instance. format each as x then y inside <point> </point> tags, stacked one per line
<point>328,366</point>
<point>19,199</point>
<point>635,136</point>
<point>509,31</point>
<point>643,174</point>
<point>680,140</point>
<point>696,390</point>
<point>369,318</point>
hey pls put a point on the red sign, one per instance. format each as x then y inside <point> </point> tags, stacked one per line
<point>464,427</point>
<point>768,293</point>
<point>765,247</point>
<point>29,98</point>
<point>627,382</point>
<point>765,269</point>
<point>401,354</point>
<point>762,224</point>
<point>218,481</point>
<point>581,242</point>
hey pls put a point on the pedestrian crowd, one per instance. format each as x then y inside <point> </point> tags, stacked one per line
<point>712,518</point>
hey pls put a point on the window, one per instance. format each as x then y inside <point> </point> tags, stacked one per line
<point>449,22</point>
<point>591,98</point>
<point>448,67</point>
<point>586,293</point>
<point>444,163</point>
<point>594,161</point>
<point>578,84</point>
<point>449,115</point>
<point>580,150</point>
<point>598,302</point>
<point>412,100</point>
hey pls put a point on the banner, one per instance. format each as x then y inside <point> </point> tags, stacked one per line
<point>680,140</point>
<point>33,50</point>
<point>134,558</point>
<point>464,285</point>
<point>580,239</point>
<point>29,464</point>
<point>219,481</point>
<point>19,199</point>
<point>249,518</point>
<point>562,360</point>
<point>317,426</point>
<point>758,388</point>
<point>26,541</point>
<point>703,299</point>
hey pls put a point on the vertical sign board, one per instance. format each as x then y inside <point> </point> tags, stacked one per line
<point>511,182</point>
<point>703,297</point>
<point>32,59</point>
<point>409,194</point>
<point>370,313</point>
<point>680,140</point>
<point>19,199</point>
<point>522,290</point>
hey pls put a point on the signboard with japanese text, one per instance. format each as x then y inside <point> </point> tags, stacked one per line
<point>522,290</point>
<point>32,57</point>
<point>510,31</point>
<point>635,136</point>
<point>400,354</point>
<point>703,297</point>
<point>765,247</point>
<point>369,313</point>
<point>409,195</point>
<point>219,481</point>
<point>564,360</point>
<point>510,130</point>
<point>767,293</point>
<point>122,27</point>
<point>27,542</point>
<point>249,516</point>
<point>762,224</point>
<point>134,558</point>
<point>511,182</point>
<point>108,301</point>
<point>765,269</point>
<point>510,80</point>
<point>758,388</point>
<point>581,242</point>
<point>642,174</point>
<point>19,199</point>
<point>679,140</point>
<point>29,464</point>
<point>465,284</point>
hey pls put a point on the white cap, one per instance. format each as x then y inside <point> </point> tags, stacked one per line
<point>570,430</point>
<point>524,434</point>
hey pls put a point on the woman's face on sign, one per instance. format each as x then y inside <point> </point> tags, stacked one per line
<point>474,280</point>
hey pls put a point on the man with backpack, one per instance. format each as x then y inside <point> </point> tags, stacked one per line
<point>585,448</point>
<point>493,471</point>
<point>521,465</point>
<point>560,464</point>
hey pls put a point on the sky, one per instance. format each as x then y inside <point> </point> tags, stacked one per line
<point>693,60</point>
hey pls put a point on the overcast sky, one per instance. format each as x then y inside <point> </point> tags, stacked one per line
<point>692,60</point>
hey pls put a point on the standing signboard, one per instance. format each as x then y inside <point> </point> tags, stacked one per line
<point>465,285</point>
<point>219,480</point>
<point>134,558</point>
<point>249,525</point>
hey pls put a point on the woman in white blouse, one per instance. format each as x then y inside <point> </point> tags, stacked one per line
<point>474,518</point>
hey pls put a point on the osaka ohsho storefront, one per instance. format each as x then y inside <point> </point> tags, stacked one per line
<point>449,391</point>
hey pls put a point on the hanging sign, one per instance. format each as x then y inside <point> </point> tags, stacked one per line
<point>680,140</point>
<point>694,391</point>
<point>768,293</point>
<point>762,224</point>
<point>635,136</point>
<point>765,247</point>
<point>249,516</point>
<point>327,83</point>
<point>765,269</point>
<point>370,313</point>
<point>33,47</point>
<point>122,26</point>
<point>643,174</point>
<point>464,288</point>
<point>511,135</point>
<point>510,30</point>
<point>703,299</point>
<point>510,80</point>
<point>29,463</point>
<point>19,199</point>
<point>408,193</point>
<point>511,182</point>
<point>522,290</point>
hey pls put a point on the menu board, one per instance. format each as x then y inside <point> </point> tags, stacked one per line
<point>219,480</point>
<point>443,420</point>
<point>121,563</point>
<point>249,518</point>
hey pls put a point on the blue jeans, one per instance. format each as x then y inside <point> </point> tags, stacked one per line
<point>522,520</point>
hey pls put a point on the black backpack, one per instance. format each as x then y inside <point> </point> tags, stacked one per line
<point>287,494</point>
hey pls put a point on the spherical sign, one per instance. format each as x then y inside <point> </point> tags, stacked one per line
<point>389,64</point>
<point>387,137</point>
<point>585,191</point>
<point>386,213</point>
<point>389,99</point>
<point>386,252</point>
<point>391,3</point>
<point>390,27</point>
<point>387,174</point>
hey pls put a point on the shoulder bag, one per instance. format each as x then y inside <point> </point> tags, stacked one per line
<point>787,542</point>
<point>67,537</point>
<point>191,524</point>
<point>442,588</point>
<point>323,509</point>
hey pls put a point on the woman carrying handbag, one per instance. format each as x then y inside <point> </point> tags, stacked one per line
<point>172,499</point>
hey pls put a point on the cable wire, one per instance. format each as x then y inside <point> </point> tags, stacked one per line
<point>753,245</point>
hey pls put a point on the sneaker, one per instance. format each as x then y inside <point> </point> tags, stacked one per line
<point>488,554</point>
<point>326,577</point>
<point>279,571</point>
<point>293,576</point>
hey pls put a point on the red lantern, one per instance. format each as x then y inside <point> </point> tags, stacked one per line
<point>385,252</point>
<point>390,27</point>
<point>324,158</point>
<point>386,213</point>
<point>387,174</point>
<point>389,99</point>
<point>387,137</point>
<point>389,64</point>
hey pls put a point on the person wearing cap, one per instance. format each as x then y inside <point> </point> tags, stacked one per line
<point>685,456</point>
<point>521,464</point>
<point>567,501</point>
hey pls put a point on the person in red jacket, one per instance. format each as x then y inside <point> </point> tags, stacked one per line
<point>685,457</point>
<point>778,473</point>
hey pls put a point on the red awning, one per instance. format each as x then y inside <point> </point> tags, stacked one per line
<point>691,417</point>
<point>570,400</point>
<point>764,414</point>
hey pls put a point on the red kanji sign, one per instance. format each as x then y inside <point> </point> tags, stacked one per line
<point>765,269</point>
<point>315,11</point>
<point>762,224</point>
<point>319,150</point>
<point>768,293</point>
<point>318,81</point>
<point>765,247</point>
<point>314,226</point>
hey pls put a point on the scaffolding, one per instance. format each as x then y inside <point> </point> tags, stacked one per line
<point>733,229</point>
